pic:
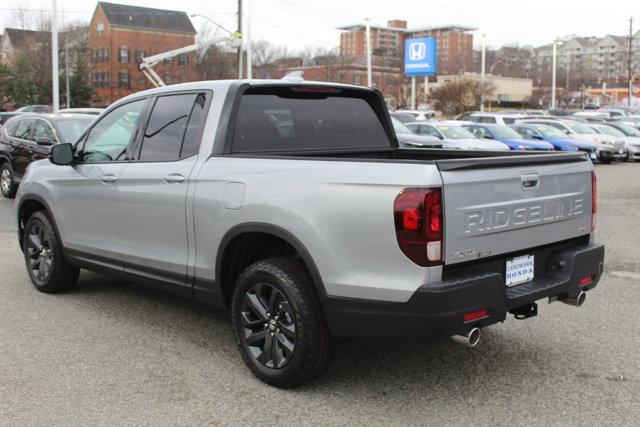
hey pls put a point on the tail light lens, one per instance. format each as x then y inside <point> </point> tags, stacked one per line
<point>418,221</point>
<point>594,200</point>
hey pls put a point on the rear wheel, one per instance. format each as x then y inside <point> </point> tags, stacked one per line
<point>47,267</point>
<point>278,323</point>
<point>7,184</point>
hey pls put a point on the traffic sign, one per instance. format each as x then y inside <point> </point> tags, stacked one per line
<point>420,56</point>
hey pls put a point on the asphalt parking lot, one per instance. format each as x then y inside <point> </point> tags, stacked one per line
<point>117,353</point>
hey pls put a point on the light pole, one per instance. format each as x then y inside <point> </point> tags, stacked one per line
<point>55,95</point>
<point>368,36</point>
<point>482,67</point>
<point>554,54</point>
<point>248,42</point>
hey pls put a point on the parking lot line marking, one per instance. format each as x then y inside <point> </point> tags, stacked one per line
<point>627,274</point>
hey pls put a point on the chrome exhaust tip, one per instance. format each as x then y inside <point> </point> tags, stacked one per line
<point>470,339</point>
<point>577,301</point>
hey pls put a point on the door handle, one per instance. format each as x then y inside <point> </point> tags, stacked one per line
<point>109,179</point>
<point>174,178</point>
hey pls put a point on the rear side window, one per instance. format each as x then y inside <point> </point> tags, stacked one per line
<point>508,120</point>
<point>486,119</point>
<point>172,132</point>
<point>290,119</point>
<point>23,130</point>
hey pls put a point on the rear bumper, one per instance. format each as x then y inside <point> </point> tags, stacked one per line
<point>439,309</point>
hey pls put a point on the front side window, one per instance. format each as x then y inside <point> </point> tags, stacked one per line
<point>109,138</point>
<point>486,119</point>
<point>43,130</point>
<point>164,134</point>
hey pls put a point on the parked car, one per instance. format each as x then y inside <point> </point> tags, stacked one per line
<point>507,136</point>
<point>631,121</point>
<point>464,116</point>
<point>418,114</point>
<point>4,116</point>
<point>455,137</point>
<point>35,109</point>
<point>364,240</point>
<point>556,137</point>
<point>608,147</point>
<point>28,137</point>
<point>410,139</point>
<point>494,118</point>
<point>403,117</point>
<point>617,134</point>
<point>93,111</point>
<point>614,112</point>
<point>633,145</point>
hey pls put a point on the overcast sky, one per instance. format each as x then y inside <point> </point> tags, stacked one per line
<point>298,23</point>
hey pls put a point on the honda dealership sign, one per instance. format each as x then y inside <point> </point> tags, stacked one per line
<point>420,56</point>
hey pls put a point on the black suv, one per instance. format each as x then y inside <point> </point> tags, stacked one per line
<point>28,137</point>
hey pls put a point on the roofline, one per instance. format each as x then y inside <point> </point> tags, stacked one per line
<point>407,30</point>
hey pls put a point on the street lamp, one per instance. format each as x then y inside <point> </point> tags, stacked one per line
<point>554,60</point>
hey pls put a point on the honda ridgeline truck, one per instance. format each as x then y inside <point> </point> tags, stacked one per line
<point>291,205</point>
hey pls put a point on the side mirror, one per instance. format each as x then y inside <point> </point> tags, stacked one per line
<point>488,136</point>
<point>566,131</point>
<point>537,137</point>
<point>44,140</point>
<point>61,154</point>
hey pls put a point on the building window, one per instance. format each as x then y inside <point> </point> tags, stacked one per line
<point>124,55</point>
<point>139,55</point>
<point>183,60</point>
<point>100,29</point>
<point>101,79</point>
<point>167,78</point>
<point>357,80</point>
<point>167,61</point>
<point>101,54</point>
<point>123,79</point>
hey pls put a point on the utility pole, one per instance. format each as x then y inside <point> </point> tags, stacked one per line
<point>630,62</point>
<point>240,48</point>
<point>368,36</point>
<point>482,68</point>
<point>248,40</point>
<point>55,94</point>
<point>553,75</point>
<point>66,69</point>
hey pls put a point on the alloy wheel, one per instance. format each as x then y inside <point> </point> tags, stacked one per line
<point>5,181</point>
<point>269,326</point>
<point>39,253</point>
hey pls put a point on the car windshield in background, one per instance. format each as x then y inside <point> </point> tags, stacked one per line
<point>506,132</point>
<point>608,130</point>
<point>579,127</point>
<point>455,132</point>
<point>70,129</point>
<point>306,119</point>
<point>400,127</point>
<point>551,132</point>
<point>509,120</point>
<point>628,130</point>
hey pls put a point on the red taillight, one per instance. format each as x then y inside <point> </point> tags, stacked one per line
<point>594,200</point>
<point>418,220</point>
<point>585,280</point>
<point>475,315</point>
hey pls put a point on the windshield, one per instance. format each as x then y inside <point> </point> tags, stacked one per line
<point>506,132</point>
<point>455,132</point>
<point>628,130</point>
<point>550,132</point>
<point>579,127</point>
<point>399,127</point>
<point>608,130</point>
<point>70,129</point>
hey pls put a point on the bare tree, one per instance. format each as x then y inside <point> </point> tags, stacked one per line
<point>460,95</point>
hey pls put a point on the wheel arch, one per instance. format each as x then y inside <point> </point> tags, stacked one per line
<point>29,204</point>
<point>236,233</point>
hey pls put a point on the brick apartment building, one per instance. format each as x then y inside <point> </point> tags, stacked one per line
<point>455,43</point>
<point>121,35</point>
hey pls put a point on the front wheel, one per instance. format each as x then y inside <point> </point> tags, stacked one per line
<point>7,183</point>
<point>44,258</point>
<point>278,324</point>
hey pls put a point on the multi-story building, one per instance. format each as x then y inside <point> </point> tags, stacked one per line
<point>121,35</point>
<point>454,43</point>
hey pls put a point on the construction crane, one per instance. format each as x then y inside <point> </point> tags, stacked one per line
<point>147,64</point>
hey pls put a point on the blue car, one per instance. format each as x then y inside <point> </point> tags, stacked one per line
<point>508,136</point>
<point>555,137</point>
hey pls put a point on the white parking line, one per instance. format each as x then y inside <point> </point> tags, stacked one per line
<point>627,274</point>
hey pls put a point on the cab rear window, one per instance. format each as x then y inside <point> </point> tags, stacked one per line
<point>312,118</point>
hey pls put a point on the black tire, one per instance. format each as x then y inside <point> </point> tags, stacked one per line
<point>8,185</point>
<point>288,280</point>
<point>44,258</point>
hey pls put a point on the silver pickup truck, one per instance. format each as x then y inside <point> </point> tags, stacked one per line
<point>291,205</point>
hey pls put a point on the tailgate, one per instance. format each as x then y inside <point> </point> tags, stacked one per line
<point>495,205</point>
